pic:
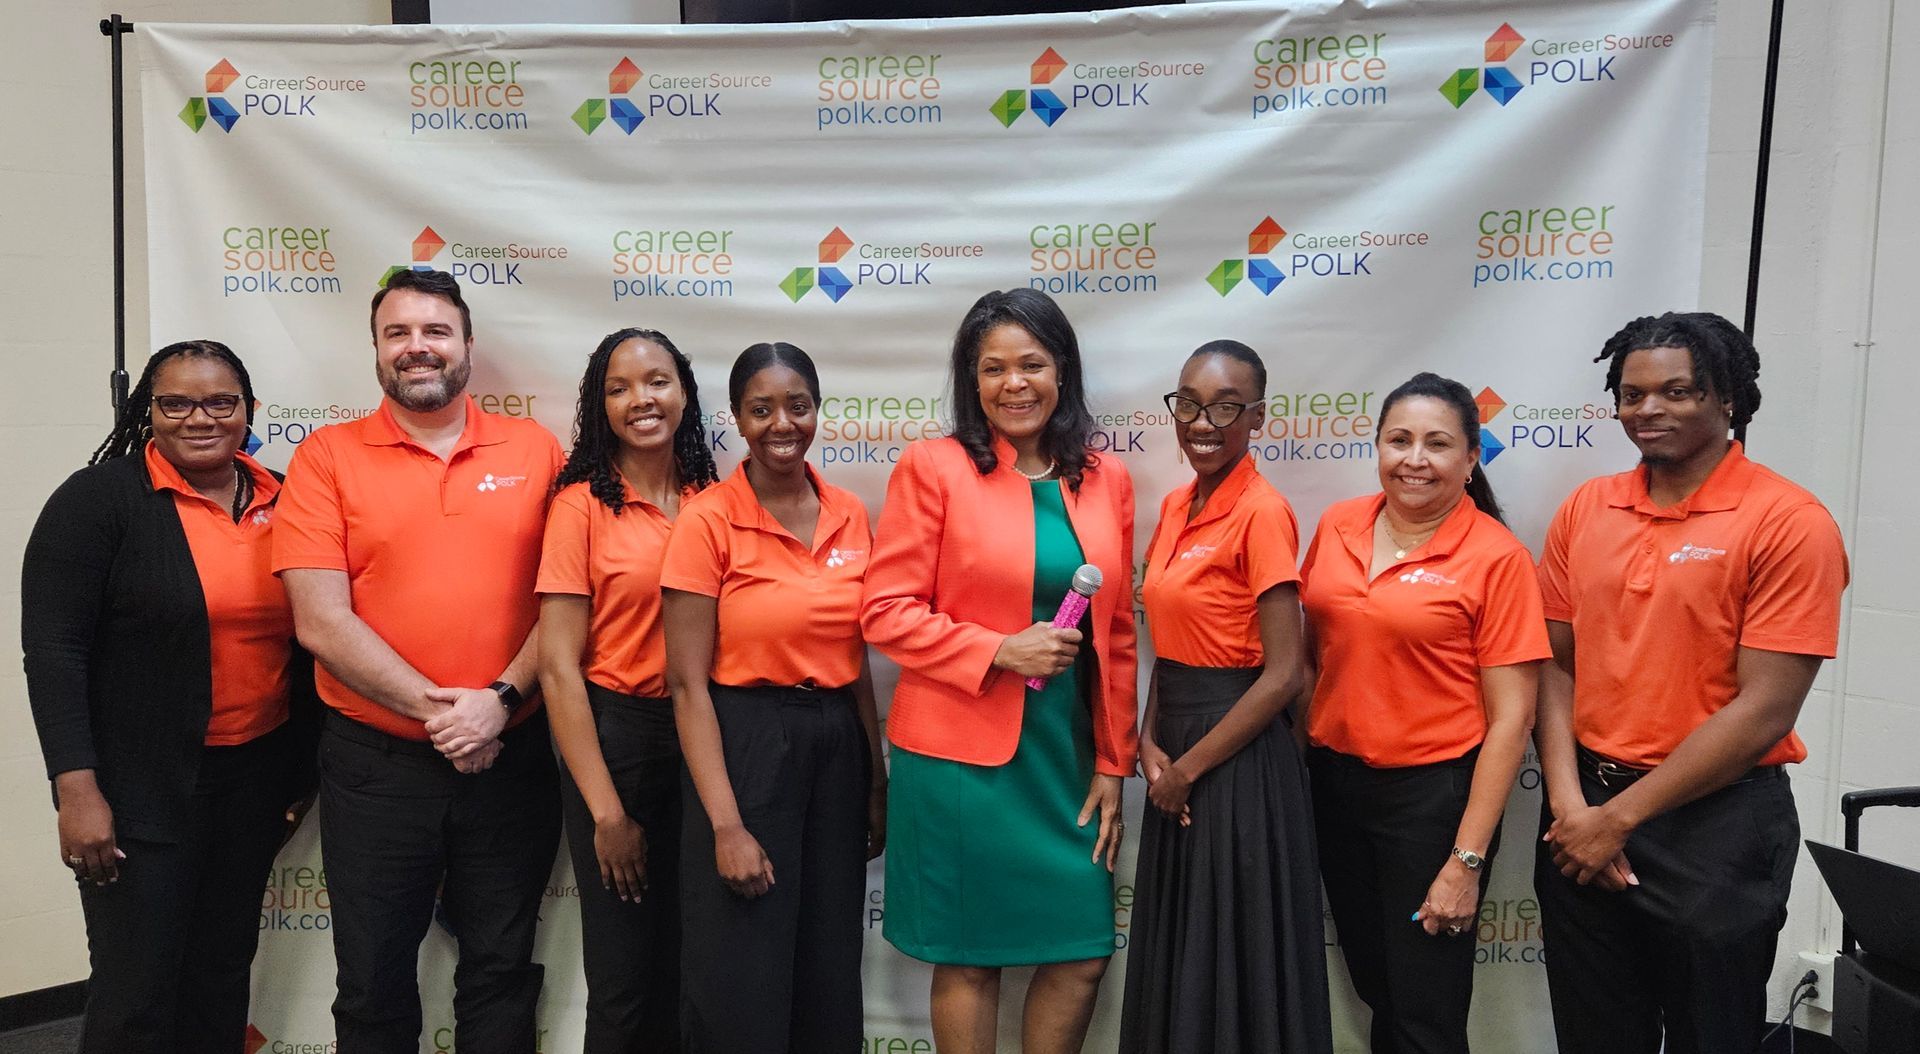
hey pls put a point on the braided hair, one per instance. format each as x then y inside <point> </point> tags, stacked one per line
<point>592,458</point>
<point>1725,361</point>
<point>133,425</point>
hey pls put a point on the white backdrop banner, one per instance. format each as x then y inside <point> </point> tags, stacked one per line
<point>1358,191</point>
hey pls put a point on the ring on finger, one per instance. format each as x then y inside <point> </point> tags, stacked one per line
<point>76,861</point>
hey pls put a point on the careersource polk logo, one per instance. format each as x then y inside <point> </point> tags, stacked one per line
<point>1092,85</point>
<point>875,264</point>
<point>1532,427</point>
<point>878,90</point>
<point>1100,257</point>
<point>672,262</point>
<point>278,259</point>
<point>1573,62</point>
<point>1315,254</point>
<point>473,263</point>
<point>264,95</point>
<point>1295,74</point>
<point>665,95</point>
<point>466,95</point>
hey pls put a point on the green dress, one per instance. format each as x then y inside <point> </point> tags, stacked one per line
<point>986,865</point>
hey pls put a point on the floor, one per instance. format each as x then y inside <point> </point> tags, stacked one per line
<point>54,1037</point>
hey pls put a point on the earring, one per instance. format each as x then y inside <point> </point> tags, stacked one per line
<point>1469,477</point>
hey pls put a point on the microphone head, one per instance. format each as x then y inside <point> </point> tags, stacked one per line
<point>1087,580</point>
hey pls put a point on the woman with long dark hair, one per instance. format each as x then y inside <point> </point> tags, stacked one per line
<point>784,799</point>
<point>174,708</point>
<point>639,452</point>
<point>1426,635</point>
<point>1006,797</point>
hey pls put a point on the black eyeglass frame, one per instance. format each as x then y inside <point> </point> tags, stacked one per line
<point>196,404</point>
<point>1202,408</point>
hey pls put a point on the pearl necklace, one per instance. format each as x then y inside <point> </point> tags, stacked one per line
<point>1036,477</point>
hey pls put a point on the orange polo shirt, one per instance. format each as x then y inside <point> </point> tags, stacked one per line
<point>1400,655</point>
<point>1661,600</point>
<point>614,560</point>
<point>441,555</point>
<point>249,621</point>
<point>1205,575</point>
<point>789,612</point>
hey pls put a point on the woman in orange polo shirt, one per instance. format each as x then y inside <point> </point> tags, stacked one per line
<point>639,450</point>
<point>996,859</point>
<point>174,708</point>
<point>1424,620</point>
<point>785,798</point>
<point>1228,950</point>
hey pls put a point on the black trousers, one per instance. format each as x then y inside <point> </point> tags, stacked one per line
<point>1684,956</point>
<point>780,973</point>
<point>631,948</point>
<point>1384,835</point>
<point>396,819</point>
<point>171,943</point>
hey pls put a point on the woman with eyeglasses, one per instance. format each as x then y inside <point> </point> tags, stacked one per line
<point>1425,639</point>
<point>174,709</point>
<point>1228,951</point>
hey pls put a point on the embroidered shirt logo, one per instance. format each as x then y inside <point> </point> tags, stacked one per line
<point>1421,575</point>
<point>262,517</point>
<point>843,557</point>
<point>1198,552</point>
<point>492,482</point>
<point>1694,552</point>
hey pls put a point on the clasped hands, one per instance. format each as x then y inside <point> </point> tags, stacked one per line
<point>467,731</point>
<point>1589,846</point>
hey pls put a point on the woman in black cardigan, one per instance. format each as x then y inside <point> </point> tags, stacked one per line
<point>174,709</point>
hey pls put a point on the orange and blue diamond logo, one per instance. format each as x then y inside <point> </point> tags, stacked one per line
<point>826,278</point>
<point>1266,276</point>
<point>1490,405</point>
<point>618,108</point>
<point>1038,96</point>
<point>1500,83</point>
<point>212,106</point>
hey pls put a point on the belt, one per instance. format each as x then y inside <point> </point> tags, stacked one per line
<point>1614,775</point>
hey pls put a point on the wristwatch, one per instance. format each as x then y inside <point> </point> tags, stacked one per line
<point>1473,860</point>
<point>511,699</point>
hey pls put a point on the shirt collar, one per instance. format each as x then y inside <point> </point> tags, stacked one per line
<point>481,429</point>
<point>1721,490</point>
<point>1224,497</point>
<point>165,476</point>
<point>744,509</point>
<point>1358,534</point>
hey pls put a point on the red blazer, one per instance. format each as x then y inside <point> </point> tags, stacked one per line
<point>952,576</point>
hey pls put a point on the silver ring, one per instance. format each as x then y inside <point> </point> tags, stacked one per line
<point>1453,931</point>
<point>76,861</point>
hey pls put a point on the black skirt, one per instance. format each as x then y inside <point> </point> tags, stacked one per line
<point>1228,950</point>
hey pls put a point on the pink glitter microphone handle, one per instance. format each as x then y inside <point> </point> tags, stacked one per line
<point>1086,582</point>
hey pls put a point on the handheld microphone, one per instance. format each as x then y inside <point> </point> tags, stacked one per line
<point>1086,582</point>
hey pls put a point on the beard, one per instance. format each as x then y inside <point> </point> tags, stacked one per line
<point>426,394</point>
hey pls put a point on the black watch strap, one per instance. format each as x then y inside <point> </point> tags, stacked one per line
<point>510,696</point>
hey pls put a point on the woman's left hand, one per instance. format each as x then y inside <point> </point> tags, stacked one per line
<point>1169,794</point>
<point>1104,795</point>
<point>1453,901</point>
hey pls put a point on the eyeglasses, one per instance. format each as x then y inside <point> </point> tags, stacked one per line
<point>1186,411</point>
<point>179,407</point>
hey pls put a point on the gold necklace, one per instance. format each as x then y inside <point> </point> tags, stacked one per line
<point>1403,548</point>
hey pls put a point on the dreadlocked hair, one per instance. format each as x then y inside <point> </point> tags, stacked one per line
<point>133,425</point>
<point>592,458</point>
<point>1725,361</point>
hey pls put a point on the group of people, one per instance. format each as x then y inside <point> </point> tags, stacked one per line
<point>465,640</point>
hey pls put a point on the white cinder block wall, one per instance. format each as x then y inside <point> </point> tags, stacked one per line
<point>1839,322</point>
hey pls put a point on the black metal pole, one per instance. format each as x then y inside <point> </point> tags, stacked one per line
<point>1766,158</point>
<point>114,28</point>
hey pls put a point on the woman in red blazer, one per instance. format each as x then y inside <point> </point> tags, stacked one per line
<point>994,859</point>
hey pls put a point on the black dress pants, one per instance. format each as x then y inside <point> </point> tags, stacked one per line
<point>1684,956</point>
<point>1384,835</point>
<point>171,943</point>
<point>396,819</point>
<point>631,948</point>
<point>780,973</point>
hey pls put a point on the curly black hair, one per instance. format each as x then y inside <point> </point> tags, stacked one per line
<point>1725,362</point>
<point>133,425</point>
<point>594,445</point>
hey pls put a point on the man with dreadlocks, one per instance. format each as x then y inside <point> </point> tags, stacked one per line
<point>408,541</point>
<point>1689,602</point>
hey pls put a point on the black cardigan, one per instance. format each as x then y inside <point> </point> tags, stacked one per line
<point>118,651</point>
